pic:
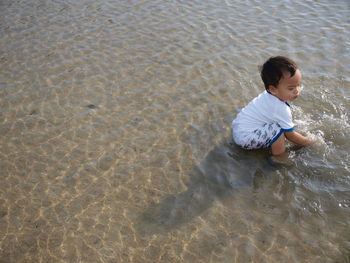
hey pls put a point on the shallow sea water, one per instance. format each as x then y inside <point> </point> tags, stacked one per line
<point>115,132</point>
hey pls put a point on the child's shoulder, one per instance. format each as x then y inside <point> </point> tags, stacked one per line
<point>267,98</point>
<point>263,97</point>
<point>266,103</point>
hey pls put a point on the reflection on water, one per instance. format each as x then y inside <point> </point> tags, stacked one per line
<point>115,132</point>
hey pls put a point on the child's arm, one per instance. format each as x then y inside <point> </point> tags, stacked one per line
<point>297,138</point>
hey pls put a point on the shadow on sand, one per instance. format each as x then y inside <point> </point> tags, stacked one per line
<point>225,169</point>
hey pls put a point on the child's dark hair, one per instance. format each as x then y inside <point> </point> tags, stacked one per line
<point>273,69</point>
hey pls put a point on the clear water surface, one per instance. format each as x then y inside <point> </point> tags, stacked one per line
<point>115,132</point>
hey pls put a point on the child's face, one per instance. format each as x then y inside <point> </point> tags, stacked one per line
<point>288,88</point>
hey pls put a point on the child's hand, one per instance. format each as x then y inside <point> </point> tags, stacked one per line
<point>316,139</point>
<point>297,138</point>
<point>310,141</point>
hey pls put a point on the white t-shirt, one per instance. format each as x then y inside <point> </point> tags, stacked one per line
<point>265,108</point>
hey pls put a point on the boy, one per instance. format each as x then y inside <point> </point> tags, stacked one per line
<point>267,120</point>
